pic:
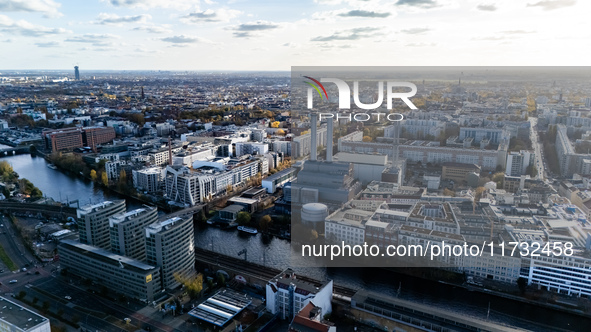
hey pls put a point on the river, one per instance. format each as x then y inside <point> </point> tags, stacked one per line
<point>62,187</point>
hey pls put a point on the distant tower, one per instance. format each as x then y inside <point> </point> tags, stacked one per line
<point>143,95</point>
<point>77,73</point>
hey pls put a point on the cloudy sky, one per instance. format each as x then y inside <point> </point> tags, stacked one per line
<point>277,34</point>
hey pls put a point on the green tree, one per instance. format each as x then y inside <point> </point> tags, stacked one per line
<point>243,218</point>
<point>499,178</point>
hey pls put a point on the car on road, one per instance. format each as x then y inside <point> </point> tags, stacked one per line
<point>67,297</point>
<point>13,281</point>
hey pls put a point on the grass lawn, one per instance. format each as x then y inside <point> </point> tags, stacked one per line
<point>6,260</point>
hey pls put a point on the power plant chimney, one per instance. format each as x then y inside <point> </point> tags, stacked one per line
<point>313,133</point>
<point>329,138</point>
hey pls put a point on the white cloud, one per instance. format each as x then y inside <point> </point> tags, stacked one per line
<point>25,28</point>
<point>184,39</point>
<point>99,40</point>
<point>211,15</point>
<point>350,34</point>
<point>253,29</point>
<point>146,4</point>
<point>553,4</point>
<point>114,19</point>
<point>48,7</point>
<point>154,28</point>
<point>48,44</point>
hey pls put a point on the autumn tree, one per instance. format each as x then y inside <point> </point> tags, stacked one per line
<point>366,138</point>
<point>478,194</point>
<point>104,178</point>
<point>93,175</point>
<point>448,192</point>
<point>275,124</point>
<point>194,285</point>
<point>265,223</point>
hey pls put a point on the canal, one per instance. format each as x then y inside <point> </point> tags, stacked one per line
<point>276,253</point>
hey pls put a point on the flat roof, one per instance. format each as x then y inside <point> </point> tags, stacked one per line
<point>279,174</point>
<point>243,200</point>
<point>19,316</point>
<point>119,218</point>
<point>159,226</point>
<point>95,207</point>
<point>221,307</point>
<point>106,256</point>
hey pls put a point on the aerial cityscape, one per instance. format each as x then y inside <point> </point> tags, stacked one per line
<point>198,187</point>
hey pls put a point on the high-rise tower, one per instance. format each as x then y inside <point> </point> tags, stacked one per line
<point>77,73</point>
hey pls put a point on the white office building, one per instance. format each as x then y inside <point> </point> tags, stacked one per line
<point>286,295</point>
<point>16,318</point>
<point>148,179</point>
<point>127,230</point>
<point>170,244</point>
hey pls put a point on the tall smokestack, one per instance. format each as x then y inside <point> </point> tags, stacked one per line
<point>313,141</point>
<point>329,129</point>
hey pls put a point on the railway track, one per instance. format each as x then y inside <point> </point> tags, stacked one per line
<point>256,270</point>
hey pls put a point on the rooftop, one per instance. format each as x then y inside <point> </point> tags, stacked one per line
<point>18,315</point>
<point>106,256</point>
<point>119,218</point>
<point>157,227</point>
<point>222,307</point>
<point>99,206</point>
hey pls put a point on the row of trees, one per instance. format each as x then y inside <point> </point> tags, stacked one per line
<point>9,176</point>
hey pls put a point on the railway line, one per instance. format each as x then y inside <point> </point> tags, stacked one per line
<point>257,271</point>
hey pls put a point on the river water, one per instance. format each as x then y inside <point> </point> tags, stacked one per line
<point>276,253</point>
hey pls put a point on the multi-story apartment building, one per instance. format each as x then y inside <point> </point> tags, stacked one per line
<point>494,135</point>
<point>286,295</point>
<point>148,179</point>
<point>127,231</point>
<point>518,162</point>
<point>93,136</point>
<point>458,172</point>
<point>346,225</point>
<point>561,274</point>
<point>302,145</point>
<point>429,152</point>
<point>93,222</point>
<point>118,273</point>
<point>76,137</point>
<point>569,161</point>
<point>208,179</point>
<point>170,244</point>
<point>243,148</point>
<point>438,217</point>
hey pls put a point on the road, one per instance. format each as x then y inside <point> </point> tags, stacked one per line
<point>537,148</point>
<point>13,244</point>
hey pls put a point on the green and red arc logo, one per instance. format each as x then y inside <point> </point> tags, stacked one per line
<point>316,87</point>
